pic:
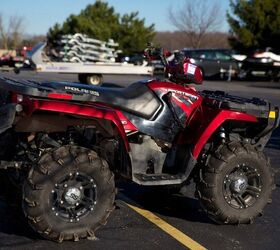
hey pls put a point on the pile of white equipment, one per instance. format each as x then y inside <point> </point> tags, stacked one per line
<point>81,48</point>
<point>89,58</point>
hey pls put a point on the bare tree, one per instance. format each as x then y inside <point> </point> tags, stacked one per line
<point>177,40</point>
<point>11,35</point>
<point>3,33</point>
<point>195,19</point>
<point>15,30</point>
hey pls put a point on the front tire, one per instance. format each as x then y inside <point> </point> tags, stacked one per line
<point>69,195</point>
<point>236,184</point>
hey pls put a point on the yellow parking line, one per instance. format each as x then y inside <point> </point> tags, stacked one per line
<point>172,231</point>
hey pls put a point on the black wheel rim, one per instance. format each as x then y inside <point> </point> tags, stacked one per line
<point>242,186</point>
<point>74,196</point>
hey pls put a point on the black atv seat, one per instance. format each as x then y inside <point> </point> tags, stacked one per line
<point>136,99</point>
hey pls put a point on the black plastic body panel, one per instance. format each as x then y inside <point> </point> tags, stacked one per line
<point>162,126</point>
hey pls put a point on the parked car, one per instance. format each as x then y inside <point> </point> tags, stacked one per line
<point>213,62</point>
<point>11,61</point>
<point>261,64</point>
<point>139,59</point>
<point>136,59</point>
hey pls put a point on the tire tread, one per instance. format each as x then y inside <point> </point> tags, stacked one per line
<point>31,192</point>
<point>207,190</point>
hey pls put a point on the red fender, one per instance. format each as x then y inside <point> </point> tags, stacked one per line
<point>101,112</point>
<point>221,117</point>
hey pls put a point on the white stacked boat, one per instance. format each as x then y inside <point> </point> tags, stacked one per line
<point>81,48</point>
<point>89,58</point>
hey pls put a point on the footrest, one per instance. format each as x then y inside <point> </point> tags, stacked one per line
<point>158,179</point>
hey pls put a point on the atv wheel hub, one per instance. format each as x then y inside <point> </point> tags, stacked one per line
<point>73,196</point>
<point>242,187</point>
<point>239,185</point>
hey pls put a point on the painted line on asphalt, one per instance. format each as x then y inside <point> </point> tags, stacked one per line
<point>167,228</point>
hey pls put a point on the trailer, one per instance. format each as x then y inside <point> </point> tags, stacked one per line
<point>88,72</point>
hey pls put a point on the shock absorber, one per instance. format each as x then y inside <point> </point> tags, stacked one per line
<point>222,134</point>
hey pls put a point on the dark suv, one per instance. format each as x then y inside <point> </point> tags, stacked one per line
<point>213,62</point>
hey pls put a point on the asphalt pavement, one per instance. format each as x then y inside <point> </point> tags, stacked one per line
<point>146,218</point>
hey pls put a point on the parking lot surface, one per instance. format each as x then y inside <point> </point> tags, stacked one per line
<point>146,218</point>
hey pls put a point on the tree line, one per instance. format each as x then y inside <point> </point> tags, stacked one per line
<point>100,21</point>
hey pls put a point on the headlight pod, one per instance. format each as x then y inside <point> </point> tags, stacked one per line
<point>192,60</point>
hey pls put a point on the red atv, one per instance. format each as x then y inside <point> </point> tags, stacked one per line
<point>63,143</point>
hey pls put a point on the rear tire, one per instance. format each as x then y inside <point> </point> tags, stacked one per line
<point>236,184</point>
<point>69,195</point>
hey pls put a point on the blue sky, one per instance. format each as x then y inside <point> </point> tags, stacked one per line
<point>40,15</point>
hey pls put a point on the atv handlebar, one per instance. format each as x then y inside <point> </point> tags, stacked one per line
<point>152,52</point>
<point>179,70</point>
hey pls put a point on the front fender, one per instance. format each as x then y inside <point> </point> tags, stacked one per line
<point>218,120</point>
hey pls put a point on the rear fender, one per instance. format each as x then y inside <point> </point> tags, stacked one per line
<point>218,120</point>
<point>100,112</point>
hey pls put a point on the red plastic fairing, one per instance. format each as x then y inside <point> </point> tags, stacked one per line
<point>221,117</point>
<point>193,70</point>
<point>60,96</point>
<point>121,122</point>
<point>185,97</point>
<point>181,104</point>
<point>128,126</point>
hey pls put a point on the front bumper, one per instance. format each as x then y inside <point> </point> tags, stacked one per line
<point>272,123</point>
<point>274,116</point>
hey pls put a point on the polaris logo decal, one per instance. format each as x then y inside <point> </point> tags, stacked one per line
<point>80,90</point>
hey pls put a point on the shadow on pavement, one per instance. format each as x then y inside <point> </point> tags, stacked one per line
<point>164,203</point>
<point>13,223</point>
<point>266,86</point>
<point>274,142</point>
